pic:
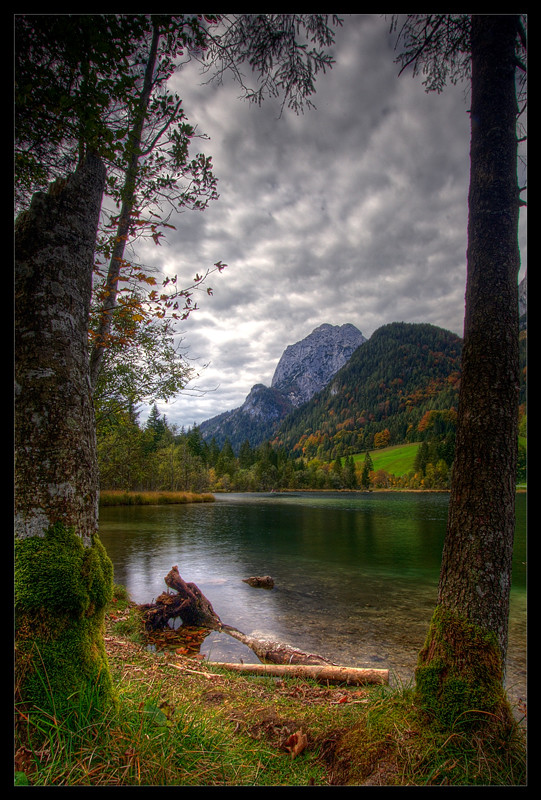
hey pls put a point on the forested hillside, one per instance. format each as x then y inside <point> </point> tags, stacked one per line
<point>400,387</point>
<point>380,396</point>
<point>303,370</point>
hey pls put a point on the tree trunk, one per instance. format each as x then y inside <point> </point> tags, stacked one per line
<point>123,228</point>
<point>462,665</point>
<point>56,475</point>
<point>270,651</point>
<point>63,576</point>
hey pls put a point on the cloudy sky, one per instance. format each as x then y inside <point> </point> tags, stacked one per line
<point>353,212</point>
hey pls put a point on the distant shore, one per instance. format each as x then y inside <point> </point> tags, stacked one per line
<point>115,497</point>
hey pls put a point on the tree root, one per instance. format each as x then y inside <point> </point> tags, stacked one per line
<point>194,609</point>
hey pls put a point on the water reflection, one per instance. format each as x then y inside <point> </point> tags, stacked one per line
<point>355,574</point>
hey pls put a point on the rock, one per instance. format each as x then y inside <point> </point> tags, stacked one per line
<point>260,581</point>
<point>307,366</point>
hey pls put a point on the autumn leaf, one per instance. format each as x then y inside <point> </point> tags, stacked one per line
<point>296,743</point>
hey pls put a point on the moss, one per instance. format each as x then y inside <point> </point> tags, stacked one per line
<point>61,590</point>
<point>459,676</point>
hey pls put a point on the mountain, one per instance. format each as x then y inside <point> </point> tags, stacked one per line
<point>255,420</point>
<point>303,369</point>
<point>307,366</point>
<point>400,373</point>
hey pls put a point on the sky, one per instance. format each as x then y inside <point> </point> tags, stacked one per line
<point>353,212</point>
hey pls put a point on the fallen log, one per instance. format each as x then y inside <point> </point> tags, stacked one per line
<point>273,652</point>
<point>354,676</point>
<point>194,609</point>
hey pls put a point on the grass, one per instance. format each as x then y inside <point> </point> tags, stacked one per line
<point>111,497</point>
<point>399,459</point>
<point>396,460</point>
<point>180,721</point>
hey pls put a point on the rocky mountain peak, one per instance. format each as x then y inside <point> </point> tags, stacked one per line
<point>304,369</point>
<point>307,366</point>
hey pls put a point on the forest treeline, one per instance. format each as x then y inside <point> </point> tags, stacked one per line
<point>157,457</point>
<point>400,387</point>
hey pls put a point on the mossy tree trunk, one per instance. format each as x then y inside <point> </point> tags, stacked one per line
<point>63,577</point>
<point>462,664</point>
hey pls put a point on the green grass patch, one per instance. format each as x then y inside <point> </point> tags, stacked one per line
<point>396,460</point>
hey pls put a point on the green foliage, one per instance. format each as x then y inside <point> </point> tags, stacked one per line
<point>66,80</point>
<point>368,467</point>
<point>178,726</point>
<point>400,373</point>
<point>157,458</point>
<point>142,363</point>
<point>286,52</point>
<point>78,88</point>
<point>404,380</point>
<point>438,46</point>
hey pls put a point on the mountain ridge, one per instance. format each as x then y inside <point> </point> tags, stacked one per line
<point>403,371</point>
<point>294,401</point>
<point>303,369</point>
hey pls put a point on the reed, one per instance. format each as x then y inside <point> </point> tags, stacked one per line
<point>117,497</point>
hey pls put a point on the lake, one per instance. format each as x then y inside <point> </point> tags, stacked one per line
<point>356,573</point>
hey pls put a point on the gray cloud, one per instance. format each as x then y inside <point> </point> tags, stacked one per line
<point>354,212</point>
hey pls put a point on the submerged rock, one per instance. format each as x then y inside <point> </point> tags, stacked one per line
<point>260,581</point>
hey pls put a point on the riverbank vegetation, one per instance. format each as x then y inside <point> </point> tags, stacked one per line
<point>126,498</point>
<point>156,457</point>
<point>179,720</point>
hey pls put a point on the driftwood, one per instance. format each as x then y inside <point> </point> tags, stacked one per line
<point>194,609</point>
<point>272,652</point>
<point>190,604</point>
<point>354,676</point>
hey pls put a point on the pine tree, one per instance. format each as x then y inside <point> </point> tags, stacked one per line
<point>368,467</point>
<point>350,477</point>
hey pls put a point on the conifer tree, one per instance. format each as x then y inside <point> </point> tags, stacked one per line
<point>368,467</point>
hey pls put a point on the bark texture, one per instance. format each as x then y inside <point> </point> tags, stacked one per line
<point>56,472</point>
<point>476,566</point>
<point>274,652</point>
<point>352,676</point>
<point>63,576</point>
<point>461,669</point>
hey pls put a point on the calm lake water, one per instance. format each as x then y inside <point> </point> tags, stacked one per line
<point>356,574</point>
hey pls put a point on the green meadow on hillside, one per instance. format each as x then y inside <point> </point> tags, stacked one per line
<point>399,459</point>
<point>396,460</point>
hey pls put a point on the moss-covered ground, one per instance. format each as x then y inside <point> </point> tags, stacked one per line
<point>179,720</point>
